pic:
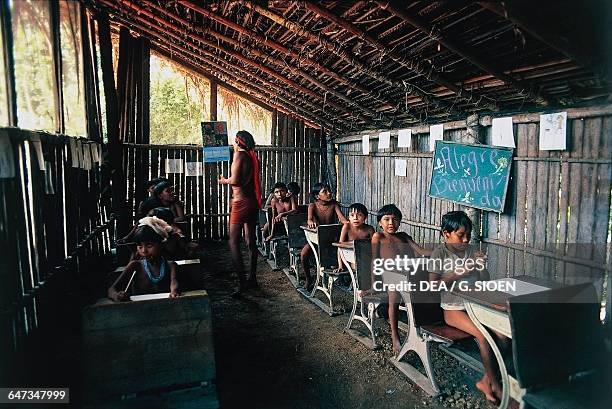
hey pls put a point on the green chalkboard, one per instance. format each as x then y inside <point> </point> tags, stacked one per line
<point>471,175</point>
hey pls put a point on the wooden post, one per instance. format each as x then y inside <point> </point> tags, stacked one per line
<point>472,135</point>
<point>9,62</point>
<point>330,159</point>
<point>213,100</point>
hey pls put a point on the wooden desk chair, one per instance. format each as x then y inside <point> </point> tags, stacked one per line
<point>558,350</point>
<point>277,249</point>
<point>295,242</point>
<point>425,325</point>
<point>326,257</point>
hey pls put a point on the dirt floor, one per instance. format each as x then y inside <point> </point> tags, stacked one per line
<point>274,349</point>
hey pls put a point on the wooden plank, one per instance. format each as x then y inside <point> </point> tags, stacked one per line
<point>517,234</point>
<point>531,203</point>
<point>575,198</point>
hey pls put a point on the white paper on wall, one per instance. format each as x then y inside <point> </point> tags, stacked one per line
<point>193,169</point>
<point>37,144</point>
<point>553,131</point>
<point>502,132</point>
<point>7,162</point>
<point>365,144</point>
<point>384,140</point>
<point>400,167</point>
<point>436,133</point>
<point>404,138</point>
<point>174,166</point>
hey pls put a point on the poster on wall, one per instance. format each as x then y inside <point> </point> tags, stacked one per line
<point>215,141</point>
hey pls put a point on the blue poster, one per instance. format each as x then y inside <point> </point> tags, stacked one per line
<point>215,141</point>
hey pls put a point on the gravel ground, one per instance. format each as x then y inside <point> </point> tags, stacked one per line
<point>274,349</point>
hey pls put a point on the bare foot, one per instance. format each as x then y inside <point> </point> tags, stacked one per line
<point>397,344</point>
<point>484,386</point>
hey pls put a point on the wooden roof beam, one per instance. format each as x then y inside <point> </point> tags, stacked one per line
<point>141,10</point>
<point>437,35</point>
<point>421,68</point>
<point>551,37</point>
<point>162,37</point>
<point>278,47</point>
<point>293,70</point>
<point>402,86</point>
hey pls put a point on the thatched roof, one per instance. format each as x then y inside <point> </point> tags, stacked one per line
<point>352,65</point>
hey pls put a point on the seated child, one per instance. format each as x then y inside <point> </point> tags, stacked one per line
<point>164,196</point>
<point>151,200</point>
<point>356,228</point>
<point>281,206</point>
<point>390,243</point>
<point>469,267</point>
<point>324,210</point>
<point>293,193</point>
<point>149,275</point>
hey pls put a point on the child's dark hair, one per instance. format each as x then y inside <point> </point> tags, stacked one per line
<point>452,221</point>
<point>359,208</point>
<point>154,182</point>
<point>389,209</point>
<point>145,234</point>
<point>160,187</point>
<point>162,213</point>
<point>317,188</point>
<point>294,188</point>
<point>279,185</point>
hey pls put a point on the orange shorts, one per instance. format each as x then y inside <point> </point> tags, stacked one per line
<point>244,211</point>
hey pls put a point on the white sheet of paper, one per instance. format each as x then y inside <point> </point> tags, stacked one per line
<point>49,189</point>
<point>384,140</point>
<point>35,141</point>
<point>400,167</point>
<point>520,287</point>
<point>553,131</point>
<point>404,138</point>
<point>74,158</point>
<point>436,133</point>
<point>365,144</point>
<point>7,162</point>
<point>193,169</point>
<point>86,155</point>
<point>502,132</point>
<point>174,166</point>
<point>145,297</point>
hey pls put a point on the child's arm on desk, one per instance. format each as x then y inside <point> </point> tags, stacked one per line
<point>174,285</point>
<point>123,279</point>
<point>311,216</point>
<point>339,214</point>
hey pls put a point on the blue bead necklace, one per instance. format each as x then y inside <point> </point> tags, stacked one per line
<point>162,270</point>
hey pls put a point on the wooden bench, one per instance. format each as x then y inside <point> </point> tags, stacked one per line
<point>558,349</point>
<point>134,347</point>
<point>295,242</point>
<point>320,240</point>
<point>425,326</point>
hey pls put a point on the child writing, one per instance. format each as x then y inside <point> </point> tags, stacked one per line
<point>469,267</point>
<point>388,244</point>
<point>151,273</point>
<point>356,228</point>
<point>323,210</point>
<point>281,206</point>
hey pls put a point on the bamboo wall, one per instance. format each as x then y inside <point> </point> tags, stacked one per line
<point>297,159</point>
<point>556,222</point>
<point>51,245</point>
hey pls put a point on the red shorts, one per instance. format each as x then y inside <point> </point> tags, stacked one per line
<point>244,211</point>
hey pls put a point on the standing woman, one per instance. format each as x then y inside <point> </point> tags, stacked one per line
<point>245,205</point>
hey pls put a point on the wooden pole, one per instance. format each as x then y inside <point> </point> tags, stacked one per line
<point>9,62</point>
<point>213,100</point>
<point>472,135</point>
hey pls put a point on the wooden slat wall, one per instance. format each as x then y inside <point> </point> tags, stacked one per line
<point>54,245</point>
<point>298,158</point>
<point>554,198</point>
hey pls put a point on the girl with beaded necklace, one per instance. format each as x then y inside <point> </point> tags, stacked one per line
<point>149,274</point>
